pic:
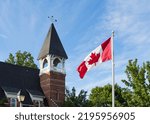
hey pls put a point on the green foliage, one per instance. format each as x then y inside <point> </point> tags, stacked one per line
<point>138,84</point>
<point>2,102</point>
<point>73,100</point>
<point>22,59</point>
<point>102,96</point>
<point>136,93</point>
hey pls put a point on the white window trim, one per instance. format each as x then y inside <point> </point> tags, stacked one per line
<point>10,94</point>
<point>50,67</point>
<point>36,98</point>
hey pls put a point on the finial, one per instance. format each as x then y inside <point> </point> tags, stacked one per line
<point>52,19</point>
<point>113,33</point>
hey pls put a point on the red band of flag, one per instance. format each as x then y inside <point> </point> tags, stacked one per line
<point>101,54</point>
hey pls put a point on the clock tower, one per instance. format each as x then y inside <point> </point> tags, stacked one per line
<point>52,68</point>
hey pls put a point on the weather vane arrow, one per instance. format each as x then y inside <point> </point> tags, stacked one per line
<point>52,19</point>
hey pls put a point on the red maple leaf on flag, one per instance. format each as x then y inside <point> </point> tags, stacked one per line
<point>94,58</point>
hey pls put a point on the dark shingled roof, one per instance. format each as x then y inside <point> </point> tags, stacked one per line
<point>2,94</point>
<point>14,78</point>
<point>52,45</point>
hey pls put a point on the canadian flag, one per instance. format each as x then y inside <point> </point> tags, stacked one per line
<point>101,54</point>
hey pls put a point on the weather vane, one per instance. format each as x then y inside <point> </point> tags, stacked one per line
<point>52,19</point>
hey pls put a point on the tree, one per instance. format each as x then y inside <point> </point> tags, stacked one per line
<point>138,83</point>
<point>2,102</point>
<point>73,100</point>
<point>23,59</point>
<point>102,96</point>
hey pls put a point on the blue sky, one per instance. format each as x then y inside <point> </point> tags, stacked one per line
<point>82,25</point>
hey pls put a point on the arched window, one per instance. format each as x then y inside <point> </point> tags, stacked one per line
<point>57,63</point>
<point>45,63</point>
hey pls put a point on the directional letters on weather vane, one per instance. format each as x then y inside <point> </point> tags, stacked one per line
<point>52,19</point>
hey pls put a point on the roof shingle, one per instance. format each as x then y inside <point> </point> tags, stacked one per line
<point>14,78</point>
<point>52,45</point>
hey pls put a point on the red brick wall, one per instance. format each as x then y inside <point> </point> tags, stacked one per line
<point>53,85</point>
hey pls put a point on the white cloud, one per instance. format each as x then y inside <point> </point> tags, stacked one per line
<point>103,81</point>
<point>131,23</point>
<point>3,36</point>
<point>129,19</point>
<point>5,17</point>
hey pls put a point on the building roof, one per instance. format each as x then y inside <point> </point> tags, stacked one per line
<point>52,45</point>
<point>14,78</point>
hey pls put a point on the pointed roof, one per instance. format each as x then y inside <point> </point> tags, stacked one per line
<point>52,45</point>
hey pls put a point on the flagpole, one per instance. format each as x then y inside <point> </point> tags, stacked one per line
<point>113,72</point>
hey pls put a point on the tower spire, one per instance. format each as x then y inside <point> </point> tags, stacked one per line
<point>52,45</point>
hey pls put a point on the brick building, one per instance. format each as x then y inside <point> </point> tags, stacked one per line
<point>23,86</point>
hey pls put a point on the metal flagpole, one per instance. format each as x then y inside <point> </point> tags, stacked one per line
<point>113,72</point>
